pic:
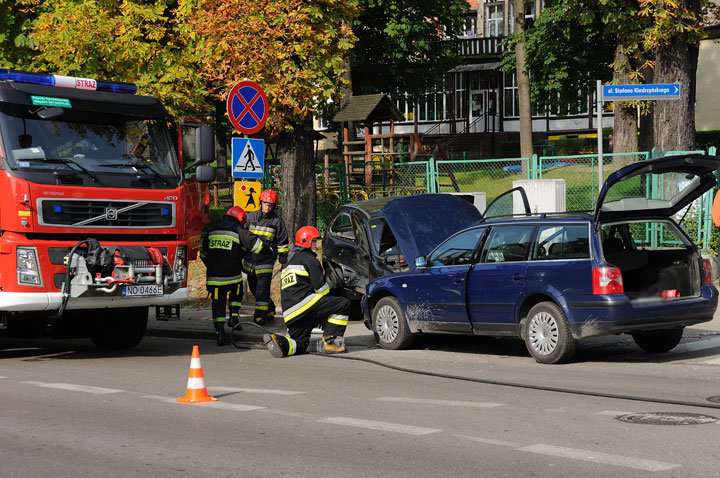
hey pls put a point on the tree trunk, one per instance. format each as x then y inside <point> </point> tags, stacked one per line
<point>674,123</point>
<point>624,113</point>
<point>523,82</point>
<point>297,161</point>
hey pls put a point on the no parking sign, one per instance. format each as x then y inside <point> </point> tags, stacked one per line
<point>247,107</point>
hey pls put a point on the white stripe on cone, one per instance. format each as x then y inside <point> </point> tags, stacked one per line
<point>196,383</point>
<point>195,363</point>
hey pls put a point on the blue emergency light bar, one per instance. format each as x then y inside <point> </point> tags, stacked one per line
<point>67,81</point>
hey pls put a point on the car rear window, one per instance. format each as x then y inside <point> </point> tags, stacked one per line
<point>562,242</point>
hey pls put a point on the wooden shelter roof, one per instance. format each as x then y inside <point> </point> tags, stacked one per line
<point>368,109</point>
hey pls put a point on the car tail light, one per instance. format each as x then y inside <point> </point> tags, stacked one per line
<point>607,280</point>
<point>708,271</point>
<point>206,199</point>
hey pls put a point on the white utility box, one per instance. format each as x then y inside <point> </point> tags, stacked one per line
<point>544,195</point>
<point>479,200</point>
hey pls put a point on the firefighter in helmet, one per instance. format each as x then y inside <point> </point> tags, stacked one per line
<point>306,303</point>
<point>259,267</point>
<point>222,252</point>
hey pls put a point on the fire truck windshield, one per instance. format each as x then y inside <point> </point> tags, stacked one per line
<point>93,149</point>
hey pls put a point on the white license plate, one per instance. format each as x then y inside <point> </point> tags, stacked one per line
<point>142,290</point>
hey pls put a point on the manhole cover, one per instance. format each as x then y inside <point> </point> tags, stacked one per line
<point>667,418</point>
<point>715,399</point>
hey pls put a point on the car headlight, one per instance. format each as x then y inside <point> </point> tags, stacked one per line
<point>180,267</point>
<point>28,268</point>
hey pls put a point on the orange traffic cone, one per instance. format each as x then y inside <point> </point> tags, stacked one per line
<point>196,391</point>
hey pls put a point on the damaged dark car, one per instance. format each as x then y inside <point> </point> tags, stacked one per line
<point>370,239</point>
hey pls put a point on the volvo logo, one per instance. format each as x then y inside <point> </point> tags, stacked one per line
<point>111,213</point>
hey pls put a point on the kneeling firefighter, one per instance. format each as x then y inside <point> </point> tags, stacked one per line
<point>222,253</point>
<point>306,303</point>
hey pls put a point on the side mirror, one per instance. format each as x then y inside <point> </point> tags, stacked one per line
<point>205,174</point>
<point>420,262</point>
<point>204,145</point>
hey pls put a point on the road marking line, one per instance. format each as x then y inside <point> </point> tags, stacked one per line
<point>75,388</point>
<point>427,401</point>
<point>701,344</point>
<point>256,390</point>
<point>237,407</point>
<point>612,413</point>
<point>490,441</point>
<point>377,425</point>
<point>597,457</point>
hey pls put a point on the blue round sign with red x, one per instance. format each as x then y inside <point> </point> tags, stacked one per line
<point>247,107</point>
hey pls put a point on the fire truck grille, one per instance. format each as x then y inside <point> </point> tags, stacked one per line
<point>100,213</point>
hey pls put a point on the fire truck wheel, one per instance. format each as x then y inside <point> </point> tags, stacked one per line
<point>118,329</point>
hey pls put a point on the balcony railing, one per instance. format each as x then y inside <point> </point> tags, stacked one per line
<point>480,46</point>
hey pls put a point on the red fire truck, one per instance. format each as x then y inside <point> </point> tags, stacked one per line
<point>98,213</point>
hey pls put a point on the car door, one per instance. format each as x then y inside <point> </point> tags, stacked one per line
<point>348,250</point>
<point>436,294</point>
<point>498,278</point>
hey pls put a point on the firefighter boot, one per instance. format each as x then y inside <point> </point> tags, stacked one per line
<point>333,345</point>
<point>279,345</point>
<point>221,335</point>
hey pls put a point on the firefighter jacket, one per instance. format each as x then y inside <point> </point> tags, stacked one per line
<point>271,228</point>
<point>302,284</point>
<point>223,250</point>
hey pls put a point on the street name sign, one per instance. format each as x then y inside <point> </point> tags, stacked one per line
<point>658,91</point>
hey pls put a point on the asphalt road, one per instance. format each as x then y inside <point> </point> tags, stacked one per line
<point>449,406</point>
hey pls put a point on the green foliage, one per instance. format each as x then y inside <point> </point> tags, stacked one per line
<point>295,50</point>
<point>568,49</point>
<point>139,42</point>
<point>705,139</point>
<point>403,45</point>
<point>15,46</point>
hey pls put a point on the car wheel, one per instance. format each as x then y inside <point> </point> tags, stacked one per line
<point>389,325</point>
<point>657,341</point>
<point>547,334</point>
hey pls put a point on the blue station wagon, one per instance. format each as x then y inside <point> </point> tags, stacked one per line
<point>553,279</point>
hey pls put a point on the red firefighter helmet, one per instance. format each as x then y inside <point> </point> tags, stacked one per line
<point>269,196</point>
<point>305,235</point>
<point>238,213</point>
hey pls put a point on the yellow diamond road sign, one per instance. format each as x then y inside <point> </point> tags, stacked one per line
<point>247,195</point>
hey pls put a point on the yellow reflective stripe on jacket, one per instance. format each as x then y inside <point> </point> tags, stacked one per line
<point>338,319</point>
<point>283,248</point>
<point>257,247</point>
<point>299,270</point>
<point>323,290</point>
<point>268,232</point>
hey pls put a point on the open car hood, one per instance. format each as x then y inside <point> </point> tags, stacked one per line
<point>421,222</point>
<point>656,187</point>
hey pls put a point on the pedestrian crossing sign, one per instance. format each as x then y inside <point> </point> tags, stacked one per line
<point>248,158</point>
<point>247,195</point>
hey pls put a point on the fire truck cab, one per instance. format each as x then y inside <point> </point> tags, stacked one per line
<point>96,211</point>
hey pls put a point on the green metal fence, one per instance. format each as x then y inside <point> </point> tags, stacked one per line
<point>341,183</point>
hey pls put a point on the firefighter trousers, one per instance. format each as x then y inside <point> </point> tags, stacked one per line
<point>219,295</point>
<point>259,284</point>
<point>329,313</point>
